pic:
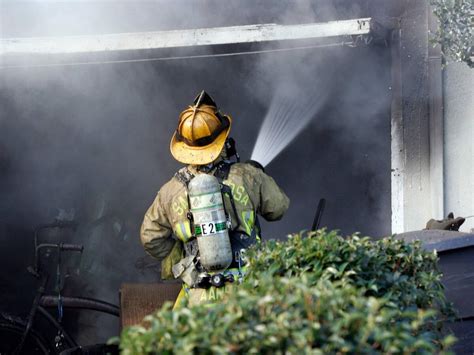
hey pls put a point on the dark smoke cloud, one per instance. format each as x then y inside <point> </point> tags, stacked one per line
<point>92,141</point>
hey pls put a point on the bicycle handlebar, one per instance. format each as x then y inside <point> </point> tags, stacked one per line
<point>60,247</point>
<point>71,247</point>
<point>57,223</point>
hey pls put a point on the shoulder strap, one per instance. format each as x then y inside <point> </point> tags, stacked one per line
<point>221,173</point>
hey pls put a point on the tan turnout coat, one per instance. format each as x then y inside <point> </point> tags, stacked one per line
<point>166,227</point>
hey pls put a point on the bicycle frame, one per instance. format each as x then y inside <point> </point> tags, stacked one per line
<point>41,301</point>
<point>68,303</point>
<point>73,303</point>
<point>81,303</point>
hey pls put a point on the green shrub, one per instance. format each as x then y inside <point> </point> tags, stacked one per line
<point>316,295</point>
<point>391,268</point>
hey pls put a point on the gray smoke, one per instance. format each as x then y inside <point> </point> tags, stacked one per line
<point>92,141</point>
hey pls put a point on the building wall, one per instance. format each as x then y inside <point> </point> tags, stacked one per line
<point>459,142</point>
<point>411,180</point>
<point>432,128</point>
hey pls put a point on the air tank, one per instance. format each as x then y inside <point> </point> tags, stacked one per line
<point>210,222</point>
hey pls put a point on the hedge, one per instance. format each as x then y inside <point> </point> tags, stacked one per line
<point>313,294</point>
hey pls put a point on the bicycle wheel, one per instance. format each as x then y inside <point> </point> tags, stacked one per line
<point>11,331</point>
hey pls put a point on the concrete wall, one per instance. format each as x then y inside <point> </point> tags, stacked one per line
<point>459,142</point>
<point>432,128</point>
<point>411,185</point>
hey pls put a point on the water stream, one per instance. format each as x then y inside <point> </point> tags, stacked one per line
<point>284,121</point>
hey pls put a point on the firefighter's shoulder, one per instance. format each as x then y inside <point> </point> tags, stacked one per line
<point>171,189</point>
<point>247,167</point>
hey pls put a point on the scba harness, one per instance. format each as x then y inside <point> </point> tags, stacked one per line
<point>213,255</point>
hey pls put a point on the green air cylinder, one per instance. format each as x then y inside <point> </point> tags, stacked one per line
<point>210,223</point>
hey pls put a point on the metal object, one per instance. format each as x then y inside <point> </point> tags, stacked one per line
<point>219,280</point>
<point>184,38</point>
<point>319,214</point>
<point>210,222</point>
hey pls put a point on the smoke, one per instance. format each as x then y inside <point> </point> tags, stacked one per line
<point>93,140</point>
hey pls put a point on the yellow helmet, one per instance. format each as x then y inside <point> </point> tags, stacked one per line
<point>201,133</point>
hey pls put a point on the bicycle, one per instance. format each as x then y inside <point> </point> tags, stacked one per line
<point>22,336</point>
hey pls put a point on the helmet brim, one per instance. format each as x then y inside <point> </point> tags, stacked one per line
<point>187,154</point>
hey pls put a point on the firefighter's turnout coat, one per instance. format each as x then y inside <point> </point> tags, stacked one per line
<point>166,227</point>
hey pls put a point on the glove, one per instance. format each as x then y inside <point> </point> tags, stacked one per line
<point>448,224</point>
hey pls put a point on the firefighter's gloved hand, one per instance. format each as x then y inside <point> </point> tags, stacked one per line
<point>448,224</point>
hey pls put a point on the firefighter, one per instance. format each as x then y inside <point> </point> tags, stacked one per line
<point>168,232</point>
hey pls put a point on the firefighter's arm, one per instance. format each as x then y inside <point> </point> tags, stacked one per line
<point>156,231</point>
<point>273,201</point>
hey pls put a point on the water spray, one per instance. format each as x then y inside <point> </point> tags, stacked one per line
<point>289,113</point>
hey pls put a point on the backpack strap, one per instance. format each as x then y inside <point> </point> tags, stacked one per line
<point>221,173</point>
<point>184,176</point>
